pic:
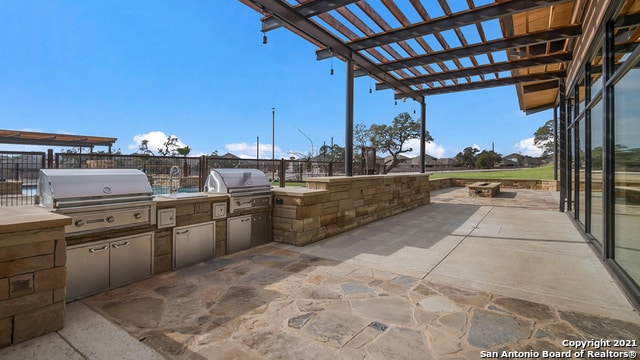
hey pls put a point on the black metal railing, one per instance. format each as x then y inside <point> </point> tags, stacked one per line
<point>19,176</point>
<point>19,170</point>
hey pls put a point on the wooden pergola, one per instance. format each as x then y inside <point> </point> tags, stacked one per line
<point>419,51</point>
<point>419,48</point>
<point>48,139</point>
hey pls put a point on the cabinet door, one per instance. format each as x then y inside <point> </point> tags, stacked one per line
<point>131,259</point>
<point>193,244</point>
<point>238,233</point>
<point>87,270</point>
<point>261,229</point>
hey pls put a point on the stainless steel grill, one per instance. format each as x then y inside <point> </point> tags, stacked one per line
<point>97,199</point>
<point>249,191</point>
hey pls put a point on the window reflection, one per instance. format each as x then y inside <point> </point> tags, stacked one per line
<point>580,158</point>
<point>596,173</point>
<point>627,173</point>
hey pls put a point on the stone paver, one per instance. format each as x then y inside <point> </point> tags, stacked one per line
<point>320,317</point>
<point>281,302</point>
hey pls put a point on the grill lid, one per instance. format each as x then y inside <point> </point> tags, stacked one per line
<point>60,188</point>
<point>229,181</point>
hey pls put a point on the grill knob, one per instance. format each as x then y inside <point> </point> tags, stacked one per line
<point>79,222</point>
<point>110,219</point>
<point>137,215</point>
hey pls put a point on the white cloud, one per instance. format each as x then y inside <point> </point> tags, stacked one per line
<point>431,148</point>
<point>248,151</point>
<point>156,140</point>
<point>527,147</point>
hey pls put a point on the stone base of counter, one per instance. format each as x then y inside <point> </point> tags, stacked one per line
<point>332,205</point>
<point>32,275</point>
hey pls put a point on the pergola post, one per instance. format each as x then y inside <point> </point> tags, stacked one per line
<point>423,130</point>
<point>348,136</point>
<point>564,171</point>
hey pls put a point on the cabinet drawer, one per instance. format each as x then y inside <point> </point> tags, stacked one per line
<point>193,244</point>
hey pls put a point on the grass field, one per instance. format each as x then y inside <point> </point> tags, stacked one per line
<point>542,172</point>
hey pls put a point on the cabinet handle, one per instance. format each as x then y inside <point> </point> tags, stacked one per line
<point>95,250</point>
<point>126,243</point>
<point>182,232</point>
<point>137,216</point>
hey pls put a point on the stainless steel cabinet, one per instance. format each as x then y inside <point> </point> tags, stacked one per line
<point>130,260</point>
<point>193,244</point>
<point>247,231</point>
<point>238,233</point>
<point>87,270</point>
<point>261,228</point>
<point>103,265</point>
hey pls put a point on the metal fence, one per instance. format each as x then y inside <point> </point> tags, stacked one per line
<point>19,170</point>
<point>19,176</point>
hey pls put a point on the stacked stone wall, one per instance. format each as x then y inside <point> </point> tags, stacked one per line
<point>329,206</point>
<point>32,283</point>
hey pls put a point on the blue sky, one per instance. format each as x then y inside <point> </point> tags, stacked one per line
<point>198,70</point>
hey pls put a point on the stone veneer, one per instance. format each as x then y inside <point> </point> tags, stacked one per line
<point>32,273</point>
<point>331,205</point>
<point>531,184</point>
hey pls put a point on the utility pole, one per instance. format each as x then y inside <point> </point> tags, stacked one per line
<point>273,143</point>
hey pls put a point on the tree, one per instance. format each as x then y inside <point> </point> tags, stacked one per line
<point>466,157</point>
<point>335,153</point>
<point>170,146</point>
<point>544,138</point>
<point>184,151</point>
<point>144,147</point>
<point>487,159</point>
<point>392,138</point>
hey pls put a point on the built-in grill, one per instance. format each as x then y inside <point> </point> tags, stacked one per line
<point>98,199</point>
<point>249,191</point>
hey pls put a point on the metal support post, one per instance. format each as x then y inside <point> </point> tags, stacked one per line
<point>348,136</point>
<point>423,138</point>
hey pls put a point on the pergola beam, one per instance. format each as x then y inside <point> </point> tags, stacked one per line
<point>486,47</point>
<point>309,9</point>
<point>457,20</point>
<point>484,69</point>
<point>489,83</point>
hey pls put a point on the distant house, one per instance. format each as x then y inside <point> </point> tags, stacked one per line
<point>518,160</point>
<point>446,162</point>
<point>408,164</point>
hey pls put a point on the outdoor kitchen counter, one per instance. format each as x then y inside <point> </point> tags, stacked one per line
<point>26,218</point>
<point>163,202</point>
<point>32,273</point>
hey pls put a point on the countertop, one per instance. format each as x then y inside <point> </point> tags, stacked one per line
<point>25,218</point>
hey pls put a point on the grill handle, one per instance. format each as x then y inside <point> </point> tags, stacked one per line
<point>124,244</point>
<point>100,249</point>
<point>244,202</point>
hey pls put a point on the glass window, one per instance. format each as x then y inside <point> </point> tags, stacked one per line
<point>580,161</point>
<point>580,96</point>
<point>627,173</point>
<point>595,68</point>
<point>596,173</point>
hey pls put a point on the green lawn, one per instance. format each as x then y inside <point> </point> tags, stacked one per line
<point>543,172</point>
